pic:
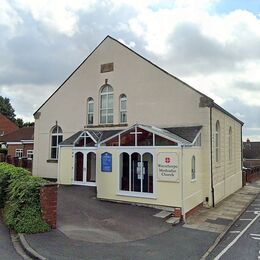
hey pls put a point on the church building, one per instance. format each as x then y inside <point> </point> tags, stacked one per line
<point>138,134</point>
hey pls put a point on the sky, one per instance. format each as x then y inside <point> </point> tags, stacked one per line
<point>213,45</point>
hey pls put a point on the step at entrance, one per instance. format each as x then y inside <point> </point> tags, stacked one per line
<point>163,214</point>
<point>173,221</point>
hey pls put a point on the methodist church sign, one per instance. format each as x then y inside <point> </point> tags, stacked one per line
<point>168,167</point>
<point>106,162</point>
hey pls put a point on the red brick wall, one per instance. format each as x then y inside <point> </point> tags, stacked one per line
<point>6,125</point>
<point>27,147</point>
<point>48,199</point>
<point>12,147</point>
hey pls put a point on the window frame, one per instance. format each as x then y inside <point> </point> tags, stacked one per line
<point>122,111</point>
<point>55,134</point>
<point>193,168</point>
<point>106,109</point>
<point>29,152</point>
<point>20,151</point>
<point>217,142</point>
<point>230,143</point>
<point>90,101</point>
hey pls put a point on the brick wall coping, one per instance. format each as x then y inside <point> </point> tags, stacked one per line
<point>50,184</point>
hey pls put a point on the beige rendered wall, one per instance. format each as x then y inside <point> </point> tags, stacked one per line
<point>193,189</point>
<point>227,174</point>
<point>153,97</point>
<point>65,166</point>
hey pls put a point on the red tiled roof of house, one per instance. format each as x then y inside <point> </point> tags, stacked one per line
<point>6,125</point>
<point>25,133</point>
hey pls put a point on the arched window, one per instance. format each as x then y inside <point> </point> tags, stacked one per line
<point>230,143</point>
<point>122,107</point>
<point>193,168</point>
<point>136,172</point>
<point>90,109</point>
<point>56,138</point>
<point>217,145</point>
<point>106,105</point>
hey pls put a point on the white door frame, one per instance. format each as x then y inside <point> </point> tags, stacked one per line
<point>85,151</point>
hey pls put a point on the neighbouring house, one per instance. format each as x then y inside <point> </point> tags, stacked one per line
<point>138,134</point>
<point>19,143</point>
<point>251,153</point>
<point>6,125</point>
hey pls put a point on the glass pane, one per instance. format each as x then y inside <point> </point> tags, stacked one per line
<point>144,138</point>
<point>89,142</point>
<point>53,153</point>
<point>54,140</point>
<point>123,104</point>
<point>128,138</point>
<point>110,119</point>
<point>59,130</point>
<point>160,141</point>
<point>78,167</point>
<point>124,171</point>
<point>60,139</point>
<point>90,119</point>
<point>136,172</point>
<point>91,167</point>
<point>110,111</point>
<point>80,142</point>
<point>110,101</point>
<point>109,89</point>
<point>123,117</point>
<point>113,141</point>
<point>104,101</point>
<point>91,107</point>
<point>147,173</point>
<point>102,119</point>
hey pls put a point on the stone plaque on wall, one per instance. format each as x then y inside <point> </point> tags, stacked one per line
<point>168,167</point>
<point>107,67</point>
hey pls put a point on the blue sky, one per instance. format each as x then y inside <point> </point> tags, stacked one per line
<point>213,45</point>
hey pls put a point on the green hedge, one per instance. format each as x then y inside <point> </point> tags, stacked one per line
<point>20,198</point>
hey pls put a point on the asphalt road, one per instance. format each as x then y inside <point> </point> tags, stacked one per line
<point>7,250</point>
<point>243,239</point>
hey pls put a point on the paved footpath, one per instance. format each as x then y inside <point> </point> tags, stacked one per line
<point>243,239</point>
<point>7,250</point>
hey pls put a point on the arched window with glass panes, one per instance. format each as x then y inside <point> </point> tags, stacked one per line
<point>106,105</point>
<point>56,138</point>
<point>230,143</point>
<point>217,141</point>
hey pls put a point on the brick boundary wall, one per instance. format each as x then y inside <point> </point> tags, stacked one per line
<point>194,210</point>
<point>48,200</point>
<point>252,174</point>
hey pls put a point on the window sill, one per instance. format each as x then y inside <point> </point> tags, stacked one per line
<point>106,125</point>
<point>137,194</point>
<point>193,180</point>
<point>52,161</point>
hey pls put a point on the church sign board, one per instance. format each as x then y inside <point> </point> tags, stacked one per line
<point>168,167</point>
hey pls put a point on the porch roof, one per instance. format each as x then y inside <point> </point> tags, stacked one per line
<point>185,135</point>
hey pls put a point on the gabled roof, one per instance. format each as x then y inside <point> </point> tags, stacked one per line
<point>25,133</point>
<point>6,125</point>
<point>213,104</point>
<point>251,150</point>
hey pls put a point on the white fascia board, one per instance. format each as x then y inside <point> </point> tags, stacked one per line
<point>8,143</point>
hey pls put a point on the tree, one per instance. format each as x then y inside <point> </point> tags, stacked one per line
<point>6,108</point>
<point>19,122</point>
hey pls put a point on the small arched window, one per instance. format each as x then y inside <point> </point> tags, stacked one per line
<point>106,105</point>
<point>230,143</point>
<point>56,138</point>
<point>217,144</point>
<point>193,168</point>
<point>122,107</point>
<point>90,109</point>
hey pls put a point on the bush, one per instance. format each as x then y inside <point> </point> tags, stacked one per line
<point>21,199</point>
<point>3,150</point>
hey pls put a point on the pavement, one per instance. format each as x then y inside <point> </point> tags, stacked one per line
<point>7,250</point>
<point>92,229</point>
<point>242,239</point>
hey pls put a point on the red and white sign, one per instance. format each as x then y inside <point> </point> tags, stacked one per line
<point>168,167</point>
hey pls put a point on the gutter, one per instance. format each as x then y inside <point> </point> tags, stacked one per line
<point>211,160</point>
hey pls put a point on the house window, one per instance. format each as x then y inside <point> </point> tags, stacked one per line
<point>19,153</point>
<point>217,144</point>
<point>56,138</point>
<point>193,168</point>
<point>106,105</point>
<point>123,111</point>
<point>90,109</point>
<point>136,172</point>
<point>230,143</point>
<point>30,154</point>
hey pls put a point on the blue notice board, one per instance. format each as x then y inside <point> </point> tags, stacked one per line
<point>106,162</point>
